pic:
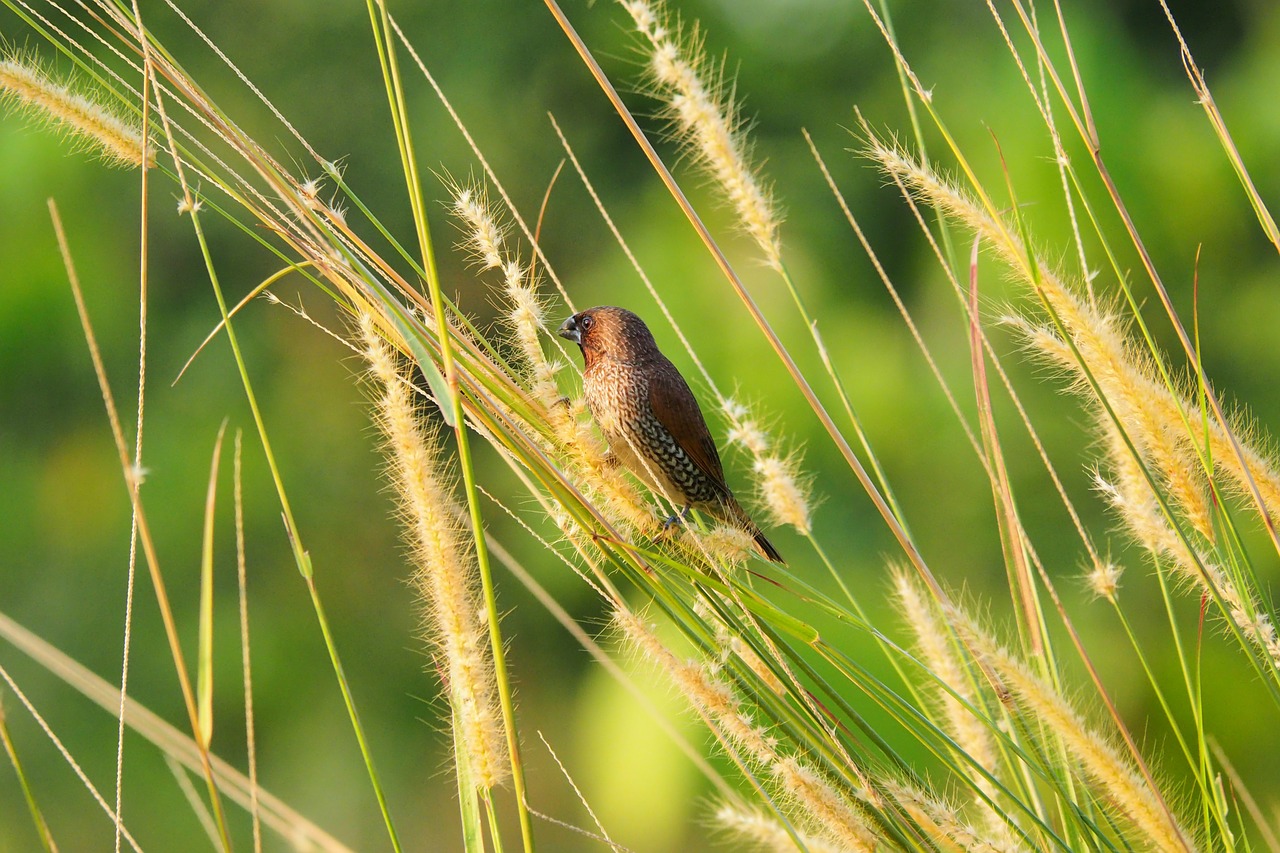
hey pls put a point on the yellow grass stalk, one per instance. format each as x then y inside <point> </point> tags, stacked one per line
<point>946,826</point>
<point>91,124</point>
<point>761,831</point>
<point>1129,493</point>
<point>1110,776</point>
<point>934,646</point>
<point>1152,414</point>
<point>783,489</point>
<point>705,119</point>
<point>445,576</point>
<point>809,794</point>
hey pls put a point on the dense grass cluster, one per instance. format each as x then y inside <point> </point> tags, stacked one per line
<point>945,721</point>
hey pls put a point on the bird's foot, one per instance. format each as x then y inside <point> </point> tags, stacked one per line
<point>676,520</point>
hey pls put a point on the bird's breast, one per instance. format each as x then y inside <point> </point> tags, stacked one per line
<point>617,393</point>
<point>614,395</point>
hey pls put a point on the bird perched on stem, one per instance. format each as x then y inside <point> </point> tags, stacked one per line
<point>651,419</point>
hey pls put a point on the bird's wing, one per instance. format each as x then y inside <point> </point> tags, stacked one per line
<point>677,409</point>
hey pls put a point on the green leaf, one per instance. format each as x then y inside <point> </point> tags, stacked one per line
<point>204,663</point>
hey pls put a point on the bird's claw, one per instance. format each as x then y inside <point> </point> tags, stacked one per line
<point>676,520</point>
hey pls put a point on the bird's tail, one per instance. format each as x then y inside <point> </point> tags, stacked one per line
<point>735,513</point>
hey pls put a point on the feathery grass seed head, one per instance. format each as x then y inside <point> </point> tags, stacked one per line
<point>27,88</point>
<point>1104,578</point>
<point>484,236</point>
<point>445,577</point>
<point>941,820</point>
<point>783,492</point>
<point>1089,340</point>
<point>1102,359</point>
<point>705,121</point>
<point>753,661</point>
<point>1112,776</point>
<point>726,542</point>
<point>744,430</point>
<point>937,651</point>
<point>1130,495</point>
<point>782,488</point>
<point>747,825</point>
<point>809,793</point>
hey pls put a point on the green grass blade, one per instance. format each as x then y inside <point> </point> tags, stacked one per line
<point>204,662</point>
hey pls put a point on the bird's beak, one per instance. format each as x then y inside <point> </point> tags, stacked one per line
<point>569,331</point>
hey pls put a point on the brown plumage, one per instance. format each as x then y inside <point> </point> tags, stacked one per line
<point>650,417</point>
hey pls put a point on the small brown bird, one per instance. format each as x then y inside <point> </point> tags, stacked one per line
<point>650,417</point>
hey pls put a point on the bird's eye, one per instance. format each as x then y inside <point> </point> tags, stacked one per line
<point>584,323</point>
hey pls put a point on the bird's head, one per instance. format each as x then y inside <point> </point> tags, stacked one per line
<point>609,332</point>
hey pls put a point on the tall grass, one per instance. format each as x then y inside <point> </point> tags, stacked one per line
<point>942,720</point>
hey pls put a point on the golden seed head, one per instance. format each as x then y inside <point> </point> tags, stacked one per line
<point>445,576</point>
<point>82,116</point>
<point>484,236</point>
<point>705,119</point>
<point>783,492</point>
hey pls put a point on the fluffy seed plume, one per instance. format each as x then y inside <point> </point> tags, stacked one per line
<point>525,316</point>
<point>781,486</point>
<point>445,576</point>
<point>750,826</point>
<point>484,237</point>
<point>725,542</point>
<point>1104,578</point>
<point>732,645</point>
<point>1129,493</point>
<point>757,665</point>
<point>807,792</point>
<point>940,820</point>
<point>705,120</point>
<point>1099,351</point>
<point>936,651</point>
<point>1093,348</point>
<point>27,88</point>
<point>1111,776</point>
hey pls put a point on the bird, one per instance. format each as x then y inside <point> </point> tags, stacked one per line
<point>650,418</point>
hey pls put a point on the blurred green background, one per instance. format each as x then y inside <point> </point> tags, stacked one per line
<point>64,517</point>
